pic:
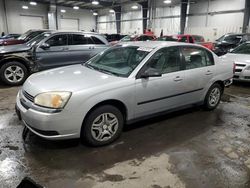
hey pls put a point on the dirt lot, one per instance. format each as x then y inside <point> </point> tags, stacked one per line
<point>191,148</point>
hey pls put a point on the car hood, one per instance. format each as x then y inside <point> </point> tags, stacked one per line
<point>14,48</point>
<point>243,58</point>
<point>71,78</point>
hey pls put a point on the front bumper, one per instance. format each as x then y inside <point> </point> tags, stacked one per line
<point>51,126</point>
<point>243,76</point>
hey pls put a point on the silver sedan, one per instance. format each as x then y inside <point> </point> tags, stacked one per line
<point>124,84</point>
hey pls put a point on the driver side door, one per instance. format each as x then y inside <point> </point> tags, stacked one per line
<point>57,54</point>
<point>156,94</point>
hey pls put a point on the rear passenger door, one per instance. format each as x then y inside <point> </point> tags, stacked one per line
<point>98,46</point>
<point>199,70</point>
<point>81,47</point>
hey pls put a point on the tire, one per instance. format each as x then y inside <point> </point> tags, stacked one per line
<point>213,97</point>
<point>97,128</point>
<point>16,71</point>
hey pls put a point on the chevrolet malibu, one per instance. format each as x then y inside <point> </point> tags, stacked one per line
<point>123,84</point>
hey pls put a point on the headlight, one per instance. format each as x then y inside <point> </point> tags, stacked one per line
<point>52,99</point>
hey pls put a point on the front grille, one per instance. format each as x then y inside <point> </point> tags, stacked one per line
<point>238,70</point>
<point>236,77</point>
<point>28,96</point>
<point>247,77</point>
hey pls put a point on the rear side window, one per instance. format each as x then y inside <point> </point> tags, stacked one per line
<point>81,40</point>
<point>96,40</point>
<point>196,57</point>
<point>58,40</point>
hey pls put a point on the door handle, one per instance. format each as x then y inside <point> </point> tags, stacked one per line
<point>65,48</point>
<point>209,72</point>
<point>177,78</point>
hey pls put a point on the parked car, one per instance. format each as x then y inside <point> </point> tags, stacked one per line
<point>125,83</point>
<point>27,36</point>
<point>48,50</point>
<point>197,39</point>
<point>114,37</point>
<point>10,36</point>
<point>241,56</point>
<point>129,38</point>
<point>229,41</point>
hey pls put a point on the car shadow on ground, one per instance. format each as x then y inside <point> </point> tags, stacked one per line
<point>129,131</point>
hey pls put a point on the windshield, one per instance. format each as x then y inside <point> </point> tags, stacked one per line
<point>29,35</point>
<point>24,35</point>
<point>37,39</point>
<point>119,61</point>
<point>242,49</point>
<point>230,38</point>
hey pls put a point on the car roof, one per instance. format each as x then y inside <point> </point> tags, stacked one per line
<point>74,32</point>
<point>156,44</point>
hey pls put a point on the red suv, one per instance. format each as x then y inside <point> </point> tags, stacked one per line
<point>188,39</point>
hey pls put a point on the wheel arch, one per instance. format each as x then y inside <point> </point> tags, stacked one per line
<point>114,102</point>
<point>221,83</point>
<point>15,58</point>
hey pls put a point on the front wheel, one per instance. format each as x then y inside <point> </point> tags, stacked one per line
<point>213,97</point>
<point>13,73</point>
<point>102,126</point>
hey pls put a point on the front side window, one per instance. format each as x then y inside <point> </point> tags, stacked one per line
<point>166,60</point>
<point>183,39</point>
<point>119,61</point>
<point>58,40</point>
<point>242,49</point>
<point>196,57</point>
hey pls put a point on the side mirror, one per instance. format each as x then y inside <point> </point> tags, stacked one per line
<point>45,46</point>
<point>151,72</point>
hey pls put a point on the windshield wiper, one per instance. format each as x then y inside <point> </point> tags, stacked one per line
<point>109,72</point>
<point>102,70</point>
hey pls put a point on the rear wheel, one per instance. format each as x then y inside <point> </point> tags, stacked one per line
<point>102,126</point>
<point>13,73</point>
<point>213,97</point>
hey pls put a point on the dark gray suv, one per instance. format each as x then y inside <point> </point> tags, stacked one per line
<point>48,50</point>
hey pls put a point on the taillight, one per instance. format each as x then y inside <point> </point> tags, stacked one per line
<point>234,67</point>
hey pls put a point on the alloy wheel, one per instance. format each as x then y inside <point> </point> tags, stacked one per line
<point>104,127</point>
